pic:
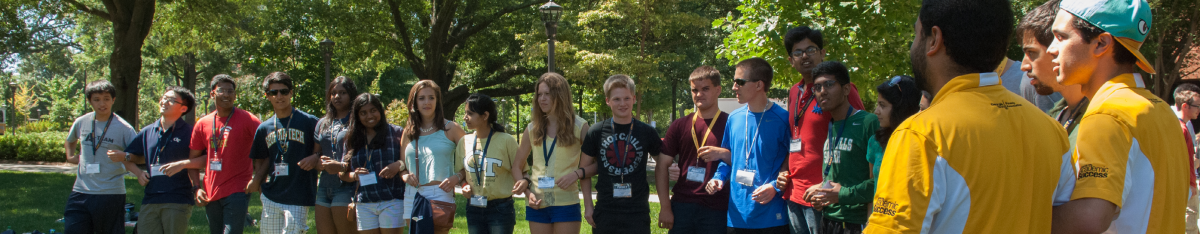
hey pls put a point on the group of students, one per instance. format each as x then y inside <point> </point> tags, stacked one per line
<point>949,151</point>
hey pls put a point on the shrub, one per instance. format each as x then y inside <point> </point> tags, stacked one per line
<point>39,146</point>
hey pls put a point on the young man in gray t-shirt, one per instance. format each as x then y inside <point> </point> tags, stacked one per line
<point>96,203</point>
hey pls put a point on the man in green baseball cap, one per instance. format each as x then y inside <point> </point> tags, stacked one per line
<point>1131,175</point>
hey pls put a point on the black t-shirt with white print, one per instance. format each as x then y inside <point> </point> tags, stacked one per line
<point>621,156</point>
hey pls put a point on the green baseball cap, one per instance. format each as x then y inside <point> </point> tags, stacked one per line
<point>1127,20</point>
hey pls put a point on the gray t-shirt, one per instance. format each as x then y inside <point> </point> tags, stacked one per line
<point>1017,81</point>
<point>96,174</point>
<point>330,135</point>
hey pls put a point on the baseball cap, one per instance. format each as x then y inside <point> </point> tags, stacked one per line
<point>1127,20</point>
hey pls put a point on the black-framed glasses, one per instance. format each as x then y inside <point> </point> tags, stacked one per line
<point>1192,105</point>
<point>275,92</point>
<point>168,100</point>
<point>818,87</point>
<point>811,50</point>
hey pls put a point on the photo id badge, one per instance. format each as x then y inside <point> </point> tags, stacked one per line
<point>92,168</point>
<point>366,179</point>
<point>695,174</point>
<point>155,170</point>
<point>478,201</point>
<point>622,190</point>
<point>281,169</point>
<point>215,165</point>
<point>796,146</point>
<point>745,177</point>
<point>545,182</point>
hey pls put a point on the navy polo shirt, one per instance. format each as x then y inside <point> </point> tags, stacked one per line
<point>159,148</point>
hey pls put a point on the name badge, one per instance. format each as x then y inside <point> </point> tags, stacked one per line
<point>215,165</point>
<point>92,168</point>
<point>695,174</point>
<point>545,182</point>
<point>155,170</point>
<point>479,201</point>
<point>622,190</point>
<point>281,169</point>
<point>796,146</point>
<point>366,179</point>
<point>745,177</point>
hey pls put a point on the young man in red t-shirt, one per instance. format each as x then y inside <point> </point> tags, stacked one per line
<point>220,145</point>
<point>809,125</point>
<point>693,209</point>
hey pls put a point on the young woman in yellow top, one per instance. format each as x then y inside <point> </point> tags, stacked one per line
<point>554,137</point>
<point>488,156</point>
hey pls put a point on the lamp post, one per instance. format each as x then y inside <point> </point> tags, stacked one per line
<point>550,14</point>
<point>326,49</point>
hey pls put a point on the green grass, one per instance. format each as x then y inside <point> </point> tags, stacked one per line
<point>36,200</point>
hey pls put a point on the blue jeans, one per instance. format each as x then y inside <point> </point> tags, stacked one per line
<point>498,217</point>
<point>803,219</point>
<point>334,196</point>
<point>695,218</point>
<point>227,215</point>
<point>94,213</point>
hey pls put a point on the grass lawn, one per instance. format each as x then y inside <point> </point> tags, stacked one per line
<point>37,200</point>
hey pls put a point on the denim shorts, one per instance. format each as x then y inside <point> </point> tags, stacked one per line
<point>554,214</point>
<point>335,196</point>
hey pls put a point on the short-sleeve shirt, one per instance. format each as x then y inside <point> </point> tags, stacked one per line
<point>495,181</point>
<point>808,126</point>
<point>329,135</point>
<point>847,163</point>
<point>978,155</point>
<point>1129,153</point>
<point>679,143</point>
<point>621,152</point>
<point>95,142</point>
<point>563,160</point>
<point>161,146</point>
<point>287,141</point>
<point>757,141</point>
<point>375,159</point>
<point>232,136</point>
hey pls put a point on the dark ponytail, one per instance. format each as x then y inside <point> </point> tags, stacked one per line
<point>480,103</point>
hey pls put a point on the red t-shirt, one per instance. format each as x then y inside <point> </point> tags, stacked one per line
<point>679,143</point>
<point>804,166</point>
<point>236,167</point>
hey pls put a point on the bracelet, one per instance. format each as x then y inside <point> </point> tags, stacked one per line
<point>578,174</point>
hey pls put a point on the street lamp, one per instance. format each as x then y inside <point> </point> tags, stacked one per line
<point>326,49</point>
<point>550,14</point>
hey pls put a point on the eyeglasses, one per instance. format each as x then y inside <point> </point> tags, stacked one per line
<point>811,50</point>
<point>1192,105</point>
<point>224,91</point>
<point>740,82</point>
<point>275,92</point>
<point>824,85</point>
<point>168,100</point>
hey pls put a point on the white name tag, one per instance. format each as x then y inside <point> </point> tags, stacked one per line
<point>155,170</point>
<point>545,182</point>
<point>479,201</point>
<point>695,174</point>
<point>745,177</point>
<point>366,179</point>
<point>622,190</point>
<point>281,169</point>
<point>214,165</point>
<point>796,146</point>
<point>92,168</point>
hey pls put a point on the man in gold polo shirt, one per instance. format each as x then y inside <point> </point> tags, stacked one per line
<point>1132,163</point>
<point>981,159</point>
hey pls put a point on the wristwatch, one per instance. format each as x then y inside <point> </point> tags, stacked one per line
<point>126,157</point>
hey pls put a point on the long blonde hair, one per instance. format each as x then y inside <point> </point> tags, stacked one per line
<point>564,112</point>
<point>414,115</point>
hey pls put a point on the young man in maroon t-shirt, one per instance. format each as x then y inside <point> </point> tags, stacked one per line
<point>220,146</point>
<point>809,126</point>
<point>693,209</point>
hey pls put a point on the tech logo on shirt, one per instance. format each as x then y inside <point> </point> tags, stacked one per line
<point>611,155</point>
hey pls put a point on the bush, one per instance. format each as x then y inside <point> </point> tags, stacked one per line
<point>40,146</point>
<point>43,126</point>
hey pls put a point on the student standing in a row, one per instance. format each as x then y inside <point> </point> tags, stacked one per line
<point>285,167</point>
<point>97,200</point>
<point>373,145</point>
<point>554,137</point>
<point>488,156</point>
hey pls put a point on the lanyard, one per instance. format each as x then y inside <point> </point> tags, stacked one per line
<point>162,145</point>
<point>282,145</point>
<point>798,119</point>
<point>837,140</point>
<point>746,128</point>
<point>1071,118</point>
<point>333,136</point>
<point>482,156</point>
<point>370,153</point>
<point>700,143</point>
<point>622,153</point>
<point>97,141</point>
<point>224,127</point>
<point>545,154</point>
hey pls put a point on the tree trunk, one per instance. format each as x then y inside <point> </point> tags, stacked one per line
<point>131,20</point>
<point>189,82</point>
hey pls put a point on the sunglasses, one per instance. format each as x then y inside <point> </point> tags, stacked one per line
<point>275,92</point>
<point>742,82</point>
<point>895,80</point>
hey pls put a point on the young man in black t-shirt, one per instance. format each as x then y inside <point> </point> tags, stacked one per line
<point>617,150</point>
<point>285,167</point>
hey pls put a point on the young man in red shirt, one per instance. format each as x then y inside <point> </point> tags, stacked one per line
<point>693,209</point>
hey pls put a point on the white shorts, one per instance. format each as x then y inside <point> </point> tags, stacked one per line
<point>431,192</point>
<point>282,218</point>
<point>385,214</point>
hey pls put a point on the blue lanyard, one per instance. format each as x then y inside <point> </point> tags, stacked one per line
<point>838,140</point>
<point>162,145</point>
<point>482,156</point>
<point>545,154</point>
<point>280,144</point>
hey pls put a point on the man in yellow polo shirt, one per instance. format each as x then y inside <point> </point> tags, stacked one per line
<point>1132,164</point>
<point>981,159</point>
